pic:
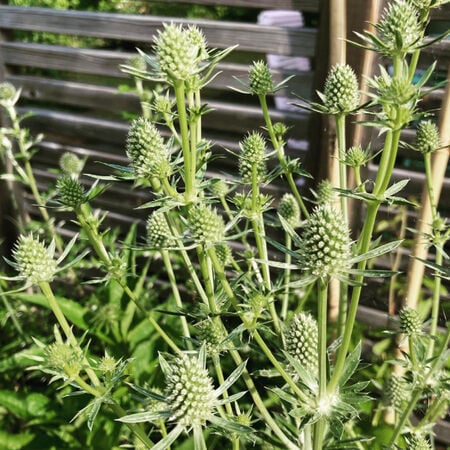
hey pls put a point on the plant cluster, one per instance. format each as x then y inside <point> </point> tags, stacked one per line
<point>236,348</point>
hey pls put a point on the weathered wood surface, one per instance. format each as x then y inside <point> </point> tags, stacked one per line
<point>249,37</point>
<point>301,5</point>
<point>106,63</point>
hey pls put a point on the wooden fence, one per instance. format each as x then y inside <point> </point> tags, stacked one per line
<point>72,90</point>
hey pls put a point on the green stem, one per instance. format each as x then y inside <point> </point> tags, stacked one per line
<point>175,291</point>
<point>287,277</point>
<point>278,146</point>
<point>221,380</point>
<point>322,297</point>
<point>189,180</point>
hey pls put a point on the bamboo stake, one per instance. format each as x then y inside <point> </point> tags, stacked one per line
<point>416,268</point>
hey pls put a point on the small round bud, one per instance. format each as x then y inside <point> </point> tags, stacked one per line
<point>399,29</point>
<point>146,150</point>
<point>107,364</point>
<point>356,157</point>
<point>162,104</point>
<point>64,358</point>
<point>427,137</point>
<point>197,39</point>
<point>395,392</point>
<point>159,234</point>
<point>220,188</point>
<point>177,57</point>
<point>252,158</point>
<point>34,261</point>
<point>341,90</point>
<point>7,92</point>
<point>212,335</point>
<point>224,253</point>
<point>206,224</point>
<point>302,337</point>
<point>289,210</point>
<point>326,243</point>
<point>190,392</point>
<point>71,192</point>
<point>137,62</point>
<point>326,195</point>
<point>410,322</point>
<point>418,442</point>
<point>70,164</point>
<point>260,79</point>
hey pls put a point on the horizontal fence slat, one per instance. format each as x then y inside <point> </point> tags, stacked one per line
<point>107,62</point>
<point>302,5</point>
<point>219,34</point>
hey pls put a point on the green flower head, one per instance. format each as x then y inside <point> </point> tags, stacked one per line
<point>34,261</point>
<point>252,159</point>
<point>159,234</point>
<point>326,243</point>
<point>146,151</point>
<point>70,164</point>
<point>260,79</point>
<point>71,192</point>
<point>206,224</point>
<point>341,94</point>
<point>410,321</point>
<point>289,210</point>
<point>427,137</point>
<point>7,93</point>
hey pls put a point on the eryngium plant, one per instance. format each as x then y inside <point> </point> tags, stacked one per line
<point>241,363</point>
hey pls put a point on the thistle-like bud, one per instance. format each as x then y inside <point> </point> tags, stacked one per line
<point>252,158</point>
<point>212,334</point>
<point>206,224</point>
<point>280,130</point>
<point>107,364</point>
<point>162,104</point>
<point>427,137</point>
<point>64,358</point>
<point>177,56</point>
<point>410,321</point>
<point>302,337</point>
<point>289,210</point>
<point>137,62</point>
<point>71,192</point>
<point>341,90</point>
<point>220,188</point>
<point>224,253</point>
<point>189,391</point>
<point>325,195</point>
<point>395,392</point>
<point>197,39</point>
<point>399,29</point>
<point>260,79</point>
<point>356,156</point>
<point>159,234</point>
<point>326,243</point>
<point>34,261</point>
<point>7,92</point>
<point>70,164</point>
<point>418,442</point>
<point>146,150</point>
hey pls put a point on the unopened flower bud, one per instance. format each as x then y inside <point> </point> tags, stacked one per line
<point>410,321</point>
<point>7,92</point>
<point>341,90</point>
<point>326,243</point>
<point>289,210</point>
<point>260,79</point>
<point>427,137</point>
<point>252,158</point>
<point>70,164</point>
<point>137,62</point>
<point>35,262</point>
<point>159,234</point>
<point>206,224</point>
<point>71,192</point>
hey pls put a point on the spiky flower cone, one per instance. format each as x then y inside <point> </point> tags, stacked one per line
<point>177,56</point>
<point>137,62</point>
<point>7,92</point>
<point>302,341</point>
<point>326,243</point>
<point>64,358</point>
<point>71,192</point>
<point>427,137</point>
<point>410,322</point>
<point>395,392</point>
<point>159,234</point>
<point>206,224</point>
<point>356,156</point>
<point>260,79</point>
<point>70,164</point>
<point>190,392</point>
<point>224,253</point>
<point>416,442</point>
<point>289,210</point>
<point>326,195</point>
<point>34,261</point>
<point>212,335</point>
<point>399,29</point>
<point>146,150</point>
<point>252,158</point>
<point>341,90</point>
<point>197,39</point>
